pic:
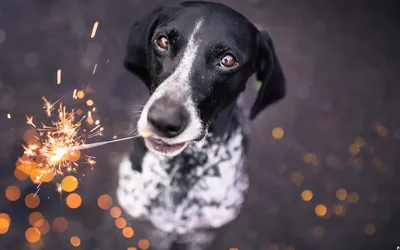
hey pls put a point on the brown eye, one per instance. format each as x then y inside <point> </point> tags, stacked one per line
<point>228,61</point>
<point>162,42</point>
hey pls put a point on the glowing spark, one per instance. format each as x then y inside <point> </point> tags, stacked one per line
<point>48,106</point>
<point>91,161</point>
<point>96,24</point>
<point>74,94</point>
<point>93,129</point>
<point>59,76</point>
<point>80,94</point>
<point>94,69</point>
<point>9,116</point>
<point>29,120</point>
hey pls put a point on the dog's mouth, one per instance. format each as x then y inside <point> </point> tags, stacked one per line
<point>162,147</point>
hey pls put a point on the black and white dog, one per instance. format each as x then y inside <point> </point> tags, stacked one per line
<point>186,176</point>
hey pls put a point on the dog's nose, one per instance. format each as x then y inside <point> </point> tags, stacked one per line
<point>168,117</point>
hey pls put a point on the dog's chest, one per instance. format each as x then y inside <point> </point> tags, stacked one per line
<point>203,187</point>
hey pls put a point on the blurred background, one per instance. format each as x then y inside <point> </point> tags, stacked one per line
<point>323,162</point>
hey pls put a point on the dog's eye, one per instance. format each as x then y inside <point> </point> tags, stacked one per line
<point>228,61</point>
<point>162,42</point>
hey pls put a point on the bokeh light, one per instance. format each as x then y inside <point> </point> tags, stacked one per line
<point>115,212</point>
<point>32,200</point>
<point>13,193</point>
<point>307,195</point>
<point>369,229</point>
<point>297,178</point>
<point>89,102</point>
<point>128,232</point>
<point>36,219</point>
<point>60,224</point>
<point>20,175</point>
<point>353,197</point>
<point>120,222</point>
<point>277,133</point>
<point>69,183</point>
<point>73,200</point>
<point>80,94</point>
<point>43,227</point>
<point>337,209</point>
<point>32,235</point>
<point>321,210</point>
<point>5,222</point>
<point>104,201</point>
<point>341,194</point>
<point>143,244</point>
<point>75,241</point>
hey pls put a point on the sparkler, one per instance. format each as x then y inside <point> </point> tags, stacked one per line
<point>56,150</point>
<point>98,144</point>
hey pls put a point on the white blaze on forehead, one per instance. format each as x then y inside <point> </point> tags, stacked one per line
<point>177,87</point>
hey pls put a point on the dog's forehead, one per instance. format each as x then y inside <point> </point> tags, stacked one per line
<point>217,24</point>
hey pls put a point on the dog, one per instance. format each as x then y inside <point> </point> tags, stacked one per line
<point>186,176</point>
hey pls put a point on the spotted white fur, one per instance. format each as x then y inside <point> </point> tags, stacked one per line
<point>177,86</point>
<point>137,190</point>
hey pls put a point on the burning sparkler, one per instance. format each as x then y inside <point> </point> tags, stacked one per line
<point>56,150</point>
<point>48,152</point>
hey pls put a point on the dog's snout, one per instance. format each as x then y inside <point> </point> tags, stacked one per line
<point>168,117</point>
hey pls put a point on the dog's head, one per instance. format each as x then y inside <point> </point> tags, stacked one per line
<point>196,58</point>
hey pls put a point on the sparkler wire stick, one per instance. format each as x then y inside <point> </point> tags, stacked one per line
<point>98,144</point>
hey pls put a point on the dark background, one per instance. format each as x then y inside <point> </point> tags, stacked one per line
<point>341,59</point>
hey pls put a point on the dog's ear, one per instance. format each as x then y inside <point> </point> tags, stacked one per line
<point>269,73</point>
<point>136,56</point>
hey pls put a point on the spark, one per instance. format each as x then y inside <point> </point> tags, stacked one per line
<point>93,129</point>
<point>90,160</point>
<point>9,116</point>
<point>95,26</point>
<point>29,120</point>
<point>59,76</point>
<point>48,106</point>
<point>94,69</point>
<point>74,94</point>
